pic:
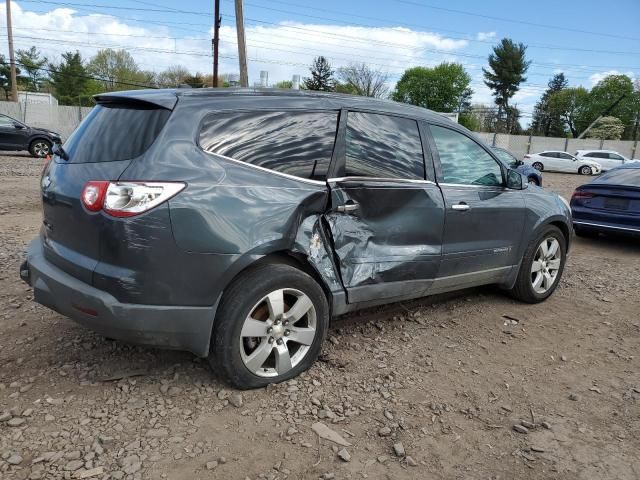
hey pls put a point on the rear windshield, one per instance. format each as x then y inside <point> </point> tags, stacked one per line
<point>628,177</point>
<point>115,132</point>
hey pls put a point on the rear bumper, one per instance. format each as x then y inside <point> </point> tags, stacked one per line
<point>175,327</point>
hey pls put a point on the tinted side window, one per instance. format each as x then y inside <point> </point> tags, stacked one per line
<point>295,143</point>
<point>383,146</point>
<point>547,154</point>
<point>565,156</point>
<point>615,156</point>
<point>5,121</point>
<point>463,161</point>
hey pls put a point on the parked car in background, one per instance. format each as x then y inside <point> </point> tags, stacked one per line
<point>16,136</point>
<point>235,223</point>
<point>534,177</point>
<point>610,203</point>
<point>608,159</point>
<point>558,161</point>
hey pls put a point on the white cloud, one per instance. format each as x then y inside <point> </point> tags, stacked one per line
<point>597,77</point>
<point>284,49</point>
<point>482,36</point>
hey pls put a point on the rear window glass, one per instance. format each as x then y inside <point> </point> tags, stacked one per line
<point>628,177</point>
<point>115,132</point>
<point>295,143</point>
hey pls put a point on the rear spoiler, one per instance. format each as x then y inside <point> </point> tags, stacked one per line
<point>150,98</point>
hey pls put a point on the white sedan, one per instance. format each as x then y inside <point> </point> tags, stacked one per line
<point>607,158</point>
<point>558,161</point>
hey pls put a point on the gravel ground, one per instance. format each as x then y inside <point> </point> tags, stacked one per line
<point>469,385</point>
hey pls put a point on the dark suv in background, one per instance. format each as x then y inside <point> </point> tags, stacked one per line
<point>16,136</point>
<point>236,223</point>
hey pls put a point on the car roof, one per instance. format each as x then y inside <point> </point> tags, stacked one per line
<point>168,98</point>
<point>603,151</point>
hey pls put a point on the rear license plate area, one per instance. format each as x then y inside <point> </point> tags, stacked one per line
<point>616,203</point>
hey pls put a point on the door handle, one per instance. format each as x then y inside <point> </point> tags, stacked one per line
<point>461,207</point>
<point>347,207</point>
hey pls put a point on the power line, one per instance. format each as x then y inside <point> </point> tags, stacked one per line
<point>513,20</point>
<point>465,38</point>
<point>316,32</point>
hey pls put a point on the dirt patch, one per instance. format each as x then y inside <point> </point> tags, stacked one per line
<point>424,389</point>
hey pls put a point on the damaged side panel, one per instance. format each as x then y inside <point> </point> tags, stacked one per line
<point>390,246</point>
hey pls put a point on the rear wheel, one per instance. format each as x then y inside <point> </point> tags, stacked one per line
<point>542,266</point>
<point>270,326</point>
<point>40,148</point>
<point>538,166</point>
<point>585,170</point>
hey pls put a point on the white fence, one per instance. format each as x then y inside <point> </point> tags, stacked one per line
<point>60,119</point>
<point>520,145</point>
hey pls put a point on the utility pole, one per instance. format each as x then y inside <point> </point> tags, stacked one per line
<point>12,57</point>
<point>242,45</point>
<point>216,41</point>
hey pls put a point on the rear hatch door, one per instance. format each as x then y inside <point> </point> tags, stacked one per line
<point>116,132</point>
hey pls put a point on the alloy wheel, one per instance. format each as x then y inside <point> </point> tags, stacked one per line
<point>41,149</point>
<point>278,332</point>
<point>546,265</point>
<point>537,166</point>
<point>585,171</point>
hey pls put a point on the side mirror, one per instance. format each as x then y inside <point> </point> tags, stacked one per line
<point>516,181</point>
<point>19,126</point>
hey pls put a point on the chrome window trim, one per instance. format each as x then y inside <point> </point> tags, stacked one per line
<point>380,179</point>
<point>263,169</point>
<point>483,187</point>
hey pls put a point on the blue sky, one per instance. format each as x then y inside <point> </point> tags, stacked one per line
<point>391,35</point>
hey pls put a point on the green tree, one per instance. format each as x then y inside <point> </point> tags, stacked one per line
<point>172,77</point>
<point>507,67</point>
<point>606,92</point>
<point>33,65</point>
<point>195,81</point>
<point>360,79</point>
<point>284,84</point>
<point>443,88</point>
<point>321,76</point>
<point>607,128</point>
<point>571,105</point>
<point>470,121</point>
<point>70,80</point>
<point>117,70</point>
<point>546,122</point>
<point>5,76</point>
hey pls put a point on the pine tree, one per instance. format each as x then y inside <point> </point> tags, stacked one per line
<point>321,76</point>
<point>507,66</point>
<point>545,121</point>
<point>70,80</point>
<point>5,76</point>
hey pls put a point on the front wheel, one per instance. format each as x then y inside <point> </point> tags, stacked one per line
<point>270,326</point>
<point>542,266</point>
<point>585,170</point>
<point>538,166</point>
<point>40,148</point>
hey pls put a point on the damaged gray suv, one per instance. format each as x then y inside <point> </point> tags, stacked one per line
<point>236,223</point>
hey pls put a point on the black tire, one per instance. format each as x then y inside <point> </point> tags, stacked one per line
<point>538,166</point>
<point>40,148</point>
<point>533,181</point>
<point>585,170</point>
<point>523,288</point>
<point>239,299</point>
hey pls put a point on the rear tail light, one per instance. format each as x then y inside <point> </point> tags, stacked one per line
<point>581,194</point>
<point>127,199</point>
